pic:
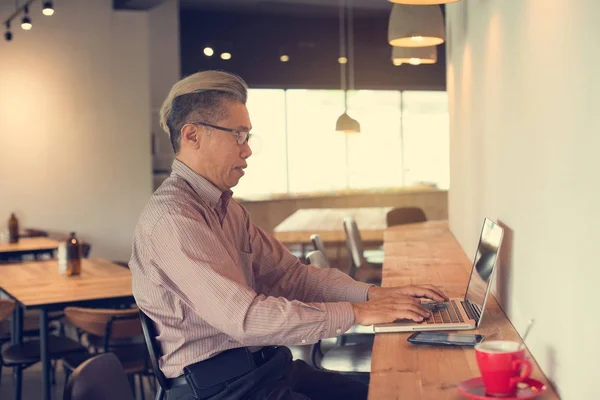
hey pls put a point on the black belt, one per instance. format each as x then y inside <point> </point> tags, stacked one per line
<point>233,357</point>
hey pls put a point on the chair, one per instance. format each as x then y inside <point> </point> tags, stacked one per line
<point>352,359</point>
<point>114,331</point>
<point>318,243</point>
<point>154,350</point>
<point>85,249</point>
<point>405,215</point>
<point>317,259</point>
<point>371,266</point>
<point>23,355</point>
<point>99,378</point>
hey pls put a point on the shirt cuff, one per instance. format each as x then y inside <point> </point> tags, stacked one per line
<point>340,318</point>
<point>358,292</point>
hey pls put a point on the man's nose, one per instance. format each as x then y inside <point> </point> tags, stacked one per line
<point>245,150</point>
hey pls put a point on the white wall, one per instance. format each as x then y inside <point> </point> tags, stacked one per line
<point>75,123</point>
<point>165,70</point>
<point>524,89</point>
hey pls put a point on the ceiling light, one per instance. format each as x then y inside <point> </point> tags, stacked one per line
<point>8,34</point>
<point>284,58</point>
<point>396,63</point>
<point>346,123</point>
<point>48,9</point>
<point>414,55</point>
<point>26,21</point>
<point>423,2</point>
<point>416,26</point>
<point>208,51</point>
<point>226,56</point>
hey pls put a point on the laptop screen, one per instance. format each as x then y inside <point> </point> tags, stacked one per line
<point>483,266</point>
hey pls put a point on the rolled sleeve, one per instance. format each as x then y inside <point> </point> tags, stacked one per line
<point>341,318</point>
<point>358,292</point>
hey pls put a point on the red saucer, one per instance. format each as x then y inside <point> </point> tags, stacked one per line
<point>528,389</point>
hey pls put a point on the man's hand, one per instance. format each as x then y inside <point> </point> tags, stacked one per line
<point>421,291</point>
<point>388,309</point>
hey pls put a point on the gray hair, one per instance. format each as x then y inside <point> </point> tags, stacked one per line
<point>199,97</point>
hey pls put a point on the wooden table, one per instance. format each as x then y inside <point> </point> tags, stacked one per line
<point>35,246</point>
<point>428,253</point>
<point>328,223</point>
<point>38,285</point>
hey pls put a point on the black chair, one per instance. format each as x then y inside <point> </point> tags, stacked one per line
<point>99,378</point>
<point>23,355</point>
<point>155,352</point>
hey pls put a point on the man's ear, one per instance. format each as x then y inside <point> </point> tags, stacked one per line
<point>190,136</point>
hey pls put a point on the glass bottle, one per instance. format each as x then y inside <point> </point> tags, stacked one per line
<point>13,229</point>
<point>73,255</point>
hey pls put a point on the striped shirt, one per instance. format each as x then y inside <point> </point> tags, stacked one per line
<point>211,280</point>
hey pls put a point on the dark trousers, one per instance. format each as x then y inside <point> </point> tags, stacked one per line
<point>299,381</point>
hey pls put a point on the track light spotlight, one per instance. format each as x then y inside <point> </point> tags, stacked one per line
<point>26,21</point>
<point>48,9</point>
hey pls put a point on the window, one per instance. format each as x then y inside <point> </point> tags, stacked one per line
<point>266,172</point>
<point>425,127</point>
<point>404,140</point>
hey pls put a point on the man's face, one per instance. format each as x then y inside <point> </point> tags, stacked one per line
<point>222,159</point>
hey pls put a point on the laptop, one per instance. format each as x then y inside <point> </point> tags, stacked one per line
<point>461,313</point>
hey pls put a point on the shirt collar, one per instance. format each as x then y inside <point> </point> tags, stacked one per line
<point>206,190</point>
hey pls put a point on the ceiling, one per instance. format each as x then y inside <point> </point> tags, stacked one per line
<point>289,7</point>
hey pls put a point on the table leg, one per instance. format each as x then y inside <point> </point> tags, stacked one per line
<point>44,356</point>
<point>17,338</point>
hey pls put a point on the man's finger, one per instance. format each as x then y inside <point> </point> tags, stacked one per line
<point>416,309</point>
<point>436,289</point>
<point>420,291</point>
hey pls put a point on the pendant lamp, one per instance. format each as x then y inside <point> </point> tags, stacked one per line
<point>414,55</point>
<point>346,123</point>
<point>416,26</point>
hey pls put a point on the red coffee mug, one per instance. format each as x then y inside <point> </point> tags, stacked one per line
<point>500,364</point>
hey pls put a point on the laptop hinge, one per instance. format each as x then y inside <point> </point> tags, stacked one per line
<point>471,310</point>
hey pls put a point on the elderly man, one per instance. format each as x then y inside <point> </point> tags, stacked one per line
<point>224,295</point>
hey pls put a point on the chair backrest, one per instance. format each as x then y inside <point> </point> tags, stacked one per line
<point>317,259</point>
<point>6,308</point>
<point>106,323</point>
<point>318,243</point>
<point>99,378</point>
<point>153,349</point>
<point>405,215</point>
<point>354,244</point>
<point>85,249</point>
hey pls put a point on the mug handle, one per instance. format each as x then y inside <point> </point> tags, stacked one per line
<point>526,371</point>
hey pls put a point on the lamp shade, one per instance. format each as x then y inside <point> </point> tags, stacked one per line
<point>347,124</point>
<point>416,26</point>
<point>414,55</point>
<point>423,2</point>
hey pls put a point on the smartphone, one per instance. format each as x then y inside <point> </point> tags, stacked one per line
<point>445,339</point>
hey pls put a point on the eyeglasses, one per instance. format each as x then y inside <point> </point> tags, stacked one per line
<point>242,136</point>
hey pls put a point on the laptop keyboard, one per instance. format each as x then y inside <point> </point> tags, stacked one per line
<point>443,312</point>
